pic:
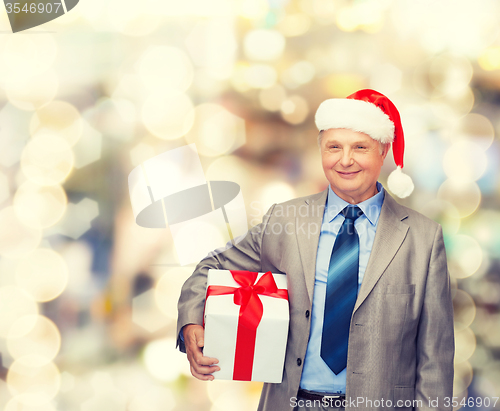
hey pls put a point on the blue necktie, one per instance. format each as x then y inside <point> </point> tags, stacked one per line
<point>341,292</point>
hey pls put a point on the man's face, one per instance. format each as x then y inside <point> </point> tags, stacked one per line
<point>351,162</point>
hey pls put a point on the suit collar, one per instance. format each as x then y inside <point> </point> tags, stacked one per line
<point>391,232</point>
<point>307,233</point>
<point>318,198</point>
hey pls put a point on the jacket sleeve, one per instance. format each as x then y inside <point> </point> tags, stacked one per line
<point>435,338</point>
<point>243,255</point>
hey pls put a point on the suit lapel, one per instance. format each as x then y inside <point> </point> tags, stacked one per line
<point>308,229</point>
<point>391,232</point>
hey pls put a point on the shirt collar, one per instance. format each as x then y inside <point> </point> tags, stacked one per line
<point>371,208</point>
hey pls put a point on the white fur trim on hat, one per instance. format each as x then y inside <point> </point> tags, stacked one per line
<point>356,115</point>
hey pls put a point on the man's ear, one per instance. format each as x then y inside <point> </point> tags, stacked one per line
<point>386,146</point>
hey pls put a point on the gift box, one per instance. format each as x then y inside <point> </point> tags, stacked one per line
<point>246,324</point>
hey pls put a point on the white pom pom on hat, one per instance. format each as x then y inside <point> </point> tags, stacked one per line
<point>370,112</point>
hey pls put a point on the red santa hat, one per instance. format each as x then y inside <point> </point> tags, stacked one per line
<point>370,112</point>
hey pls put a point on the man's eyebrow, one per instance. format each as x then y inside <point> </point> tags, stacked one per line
<point>356,143</point>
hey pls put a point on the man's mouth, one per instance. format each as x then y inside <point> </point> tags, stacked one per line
<point>348,173</point>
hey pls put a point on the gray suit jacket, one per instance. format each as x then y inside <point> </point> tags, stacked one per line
<point>401,342</point>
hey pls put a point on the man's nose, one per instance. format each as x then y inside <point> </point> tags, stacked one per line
<point>346,159</point>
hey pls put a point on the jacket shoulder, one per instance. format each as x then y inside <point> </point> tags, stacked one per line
<point>411,216</point>
<point>307,206</point>
<point>312,199</point>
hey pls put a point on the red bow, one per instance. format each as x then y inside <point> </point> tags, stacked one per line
<point>251,310</point>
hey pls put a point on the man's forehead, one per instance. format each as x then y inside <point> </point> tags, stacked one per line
<point>353,138</point>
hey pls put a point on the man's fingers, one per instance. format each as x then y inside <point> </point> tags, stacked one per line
<point>199,334</point>
<point>201,366</point>
<point>200,376</point>
<point>201,360</point>
<point>204,369</point>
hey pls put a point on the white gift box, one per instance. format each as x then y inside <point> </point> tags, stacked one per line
<point>221,330</point>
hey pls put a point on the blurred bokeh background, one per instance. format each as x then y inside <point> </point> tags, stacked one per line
<point>88,298</point>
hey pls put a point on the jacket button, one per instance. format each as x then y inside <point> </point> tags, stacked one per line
<point>299,362</point>
<point>307,313</point>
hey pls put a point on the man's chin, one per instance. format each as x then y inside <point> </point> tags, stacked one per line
<point>345,190</point>
<point>347,186</point>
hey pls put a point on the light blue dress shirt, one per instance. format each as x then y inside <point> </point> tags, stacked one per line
<point>316,375</point>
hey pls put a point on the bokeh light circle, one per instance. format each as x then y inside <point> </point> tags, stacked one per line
<point>4,188</point>
<point>489,59</point>
<point>168,116</point>
<point>260,76</point>
<point>273,97</point>
<point>276,192</point>
<point>15,303</point>
<point>16,404</point>
<point>294,110</point>
<point>16,238</point>
<point>132,18</point>
<point>233,166</point>
<point>40,206</point>
<point>478,128</point>
<point>465,344</point>
<point>168,289</point>
<point>154,398</point>
<point>449,73</point>
<point>463,376</point>
<point>60,118</point>
<point>485,228</point>
<point>199,235</point>
<point>215,130</point>
<point>163,361</point>
<point>461,102</point>
<point>43,274</point>
<point>298,74</point>
<point>253,9</point>
<point>31,335</point>
<point>34,92</point>
<point>113,117</point>
<point>25,55</point>
<point>464,310</point>
<point>226,395</point>
<point>47,160</point>
<point>465,255</point>
<point>465,161</point>
<point>165,68</point>
<point>264,44</point>
<point>464,195</point>
<point>295,24</point>
<point>32,384</point>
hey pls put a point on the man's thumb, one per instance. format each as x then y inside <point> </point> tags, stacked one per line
<point>200,338</point>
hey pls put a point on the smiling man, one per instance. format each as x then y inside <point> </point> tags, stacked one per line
<point>352,162</point>
<point>371,319</point>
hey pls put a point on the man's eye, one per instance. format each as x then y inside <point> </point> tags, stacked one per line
<point>362,147</point>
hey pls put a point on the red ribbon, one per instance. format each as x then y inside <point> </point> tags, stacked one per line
<point>251,310</point>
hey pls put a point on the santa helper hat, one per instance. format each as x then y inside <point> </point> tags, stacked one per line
<point>370,112</point>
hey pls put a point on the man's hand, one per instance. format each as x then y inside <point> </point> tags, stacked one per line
<point>201,366</point>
